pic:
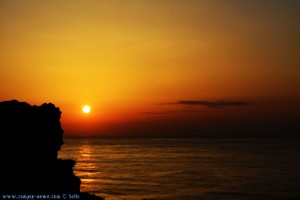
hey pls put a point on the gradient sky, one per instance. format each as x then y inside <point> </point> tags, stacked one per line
<point>156,68</point>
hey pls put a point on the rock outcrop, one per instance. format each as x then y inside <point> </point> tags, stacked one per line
<point>30,138</point>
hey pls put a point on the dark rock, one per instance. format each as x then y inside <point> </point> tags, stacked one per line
<point>30,138</point>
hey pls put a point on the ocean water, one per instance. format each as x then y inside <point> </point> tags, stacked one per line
<point>186,169</point>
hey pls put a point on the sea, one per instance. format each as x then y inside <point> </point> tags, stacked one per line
<point>186,169</point>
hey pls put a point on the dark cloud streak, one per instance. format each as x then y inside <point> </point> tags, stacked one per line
<point>209,104</point>
<point>168,112</point>
<point>158,113</point>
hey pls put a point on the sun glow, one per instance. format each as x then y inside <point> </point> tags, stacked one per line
<point>86,109</point>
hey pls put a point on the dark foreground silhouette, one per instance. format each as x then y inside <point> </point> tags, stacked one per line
<point>30,138</point>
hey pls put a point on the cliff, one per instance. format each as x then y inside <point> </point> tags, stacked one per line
<point>30,138</point>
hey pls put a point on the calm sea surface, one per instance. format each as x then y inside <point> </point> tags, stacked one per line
<point>186,169</point>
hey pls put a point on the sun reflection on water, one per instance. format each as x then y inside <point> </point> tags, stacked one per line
<point>85,167</point>
<point>86,151</point>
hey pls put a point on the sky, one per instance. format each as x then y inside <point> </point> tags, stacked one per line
<point>159,68</point>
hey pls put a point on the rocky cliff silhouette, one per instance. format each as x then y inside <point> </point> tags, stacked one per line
<point>30,138</point>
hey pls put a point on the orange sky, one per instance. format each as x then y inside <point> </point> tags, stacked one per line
<point>133,61</point>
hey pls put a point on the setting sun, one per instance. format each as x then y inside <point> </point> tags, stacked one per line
<point>86,109</point>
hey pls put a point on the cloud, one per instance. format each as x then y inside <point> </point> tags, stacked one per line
<point>158,113</point>
<point>168,112</point>
<point>209,104</point>
<point>191,105</point>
